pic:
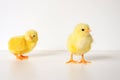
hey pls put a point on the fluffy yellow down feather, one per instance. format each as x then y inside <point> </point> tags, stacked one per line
<point>79,42</point>
<point>20,45</point>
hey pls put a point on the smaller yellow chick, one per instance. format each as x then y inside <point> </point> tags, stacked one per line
<point>20,45</point>
<point>79,42</point>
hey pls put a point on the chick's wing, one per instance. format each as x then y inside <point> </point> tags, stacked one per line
<point>17,44</point>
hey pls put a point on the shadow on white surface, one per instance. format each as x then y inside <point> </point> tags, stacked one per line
<point>100,56</point>
<point>46,53</point>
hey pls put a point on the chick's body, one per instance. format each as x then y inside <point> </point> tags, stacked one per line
<point>79,42</point>
<point>20,45</point>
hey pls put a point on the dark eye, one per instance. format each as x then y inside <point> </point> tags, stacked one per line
<point>33,35</point>
<point>83,29</point>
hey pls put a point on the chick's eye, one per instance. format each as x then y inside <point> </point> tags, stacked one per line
<point>83,29</point>
<point>33,35</point>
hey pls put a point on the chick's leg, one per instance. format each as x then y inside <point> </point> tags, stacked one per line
<point>71,59</point>
<point>24,57</point>
<point>83,60</point>
<point>21,57</point>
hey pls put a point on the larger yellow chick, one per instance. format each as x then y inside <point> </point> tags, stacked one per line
<point>79,42</point>
<point>20,45</point>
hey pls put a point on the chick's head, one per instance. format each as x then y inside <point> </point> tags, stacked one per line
<point>82,29</point>
<point>31,36</point>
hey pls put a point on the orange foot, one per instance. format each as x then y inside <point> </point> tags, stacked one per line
<point>72,61</point>
<point>84,61</point>
<point>21,57</point>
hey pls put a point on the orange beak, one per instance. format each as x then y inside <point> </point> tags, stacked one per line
<point>88,30</point>
<point>30,37</point>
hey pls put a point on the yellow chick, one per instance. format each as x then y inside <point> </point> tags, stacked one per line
<point>79,42</point>
<point>20,45</point>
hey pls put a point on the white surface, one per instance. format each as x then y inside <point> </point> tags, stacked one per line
<point>50,65</point>
<point>55,20</point>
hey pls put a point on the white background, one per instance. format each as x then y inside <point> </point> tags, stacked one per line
<point>55,20</point>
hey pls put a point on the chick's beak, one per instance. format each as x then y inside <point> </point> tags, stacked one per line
<point>88,30</point>
<point>30,37</point>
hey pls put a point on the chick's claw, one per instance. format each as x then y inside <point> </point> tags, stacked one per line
<point>21,57</point>
<point>72,61</point>
<point>84,61</point>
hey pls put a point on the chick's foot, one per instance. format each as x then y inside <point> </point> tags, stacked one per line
<point>21,57</point>
<point>72,61</point>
